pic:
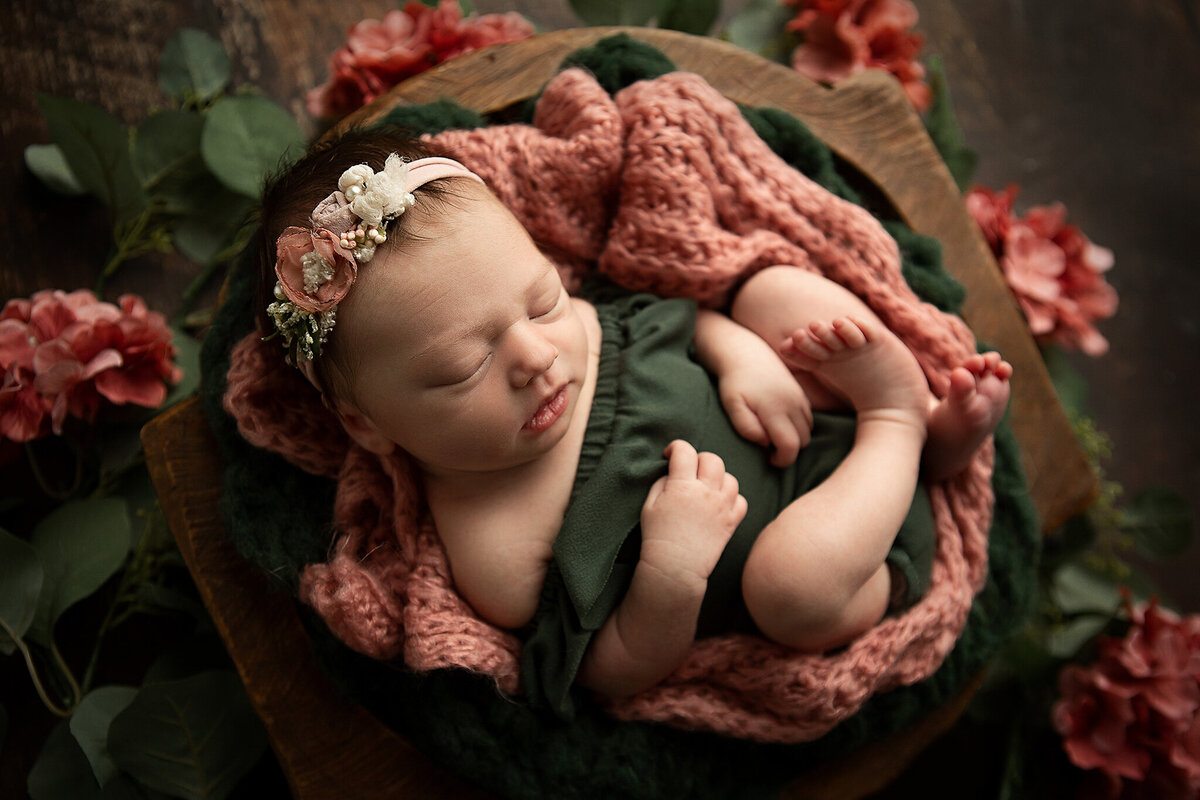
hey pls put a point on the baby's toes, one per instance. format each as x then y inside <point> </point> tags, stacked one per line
<point>963,386</point>
<point>806,350</point>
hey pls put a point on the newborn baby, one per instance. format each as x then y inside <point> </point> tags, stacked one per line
<point>459,344</point>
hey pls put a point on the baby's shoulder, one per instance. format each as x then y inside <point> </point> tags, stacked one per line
<point>498,553</point>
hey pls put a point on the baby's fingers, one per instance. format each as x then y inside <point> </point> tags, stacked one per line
<point>785,439</point>
<point>746,422</point>
<point>682,459</point>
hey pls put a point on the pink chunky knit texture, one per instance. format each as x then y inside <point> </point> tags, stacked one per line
<point>664,188</point>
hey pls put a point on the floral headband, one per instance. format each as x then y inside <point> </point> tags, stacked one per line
<point>316,266</point>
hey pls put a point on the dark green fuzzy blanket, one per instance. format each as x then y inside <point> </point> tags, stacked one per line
<point>280,518</point>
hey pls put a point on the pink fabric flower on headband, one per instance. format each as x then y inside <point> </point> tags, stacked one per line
<point>314,270</point>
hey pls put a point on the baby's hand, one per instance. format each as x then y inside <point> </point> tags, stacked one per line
<point>767,406</point>
<point>690,514</point>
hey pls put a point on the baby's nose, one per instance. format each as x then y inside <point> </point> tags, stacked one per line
<point>536,354</point>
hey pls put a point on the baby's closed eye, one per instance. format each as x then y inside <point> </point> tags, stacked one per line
<point>458,376</point>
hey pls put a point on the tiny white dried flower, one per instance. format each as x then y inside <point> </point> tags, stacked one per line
<point>317,271</point>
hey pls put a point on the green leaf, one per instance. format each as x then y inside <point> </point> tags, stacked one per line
<point>47,163</point>
<point>89,726</point>
<point>1078,590</point>
<point>942,125</point>
<point>95,146</point>
<point>61,771</point>
<point>760,28</point>
<point>206,231</point>
<point>1066,640</point>
<point>192,738</point>
<point>21,580</point>
<point>615,12</point>
<point>193,64</point>
<point>187,358</point>
<point>80,544</point>
<point>245,139</point>
<point>166,147</point>
<point>1160,522</point>
<point>689,16</point>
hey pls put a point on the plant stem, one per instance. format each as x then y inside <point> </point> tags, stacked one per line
<point>131,578</point>
<point>50,705</point>
<point>52,493</point>
<point>127,246</point>
<point>193,290</point>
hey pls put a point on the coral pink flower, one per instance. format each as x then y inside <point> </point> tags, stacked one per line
<point>844,37</point>
<point>296,243</point>
<point>23,412</point>
<point>1135,713</point>
<point>378,54</point>
<point>66,354</point>
<point>1055,272</point>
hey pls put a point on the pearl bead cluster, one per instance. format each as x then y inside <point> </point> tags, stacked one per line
<point>359,236</point>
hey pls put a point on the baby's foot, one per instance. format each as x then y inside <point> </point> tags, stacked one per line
<point>863,362</point>
<point>967,415</point>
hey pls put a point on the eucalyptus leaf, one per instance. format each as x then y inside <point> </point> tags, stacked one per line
<point>122,787</point>
<point>95,145</point>
<point>21,581</point>
<point>760,28</point>
<point>615,12</point>
<point>80,544</point>
<point>191,738</point>
<point>89,726</point>
<point>203,233</point>
<point>193,64</point>
<point>49,165</point>
<point>689,16</point>
<point>1160,522</point>
<point>62,771</point>
<point>187,358</point>
<point>166,148</point>
<point>245,139</point>
<point>1065,641</point>
<point>1077,590</point>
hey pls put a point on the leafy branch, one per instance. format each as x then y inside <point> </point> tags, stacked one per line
<point>185,179</point>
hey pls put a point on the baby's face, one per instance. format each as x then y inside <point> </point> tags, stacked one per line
<point>467,351</point>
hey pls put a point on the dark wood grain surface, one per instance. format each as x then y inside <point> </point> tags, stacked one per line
<point>1092,104</point>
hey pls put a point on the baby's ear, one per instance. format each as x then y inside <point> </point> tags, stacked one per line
<point>362,430</point>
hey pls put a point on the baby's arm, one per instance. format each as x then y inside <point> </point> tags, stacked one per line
<point>762,397</point>
<point>687,519</point>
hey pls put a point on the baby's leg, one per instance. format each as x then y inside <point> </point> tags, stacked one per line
<point>816,576</point>
<point>782,303</point>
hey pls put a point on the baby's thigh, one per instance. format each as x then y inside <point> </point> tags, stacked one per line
<point>776,301</point>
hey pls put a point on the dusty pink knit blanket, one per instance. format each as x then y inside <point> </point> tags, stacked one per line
<point>666,188</point>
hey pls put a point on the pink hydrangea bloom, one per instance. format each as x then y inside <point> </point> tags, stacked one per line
<point>67,354</point>
<point>378,54</point>
<point>844,37</point>
<point>1056,273</point>
<point>1135,713</point>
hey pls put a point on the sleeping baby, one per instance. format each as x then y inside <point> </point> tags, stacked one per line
<point>612,473</point>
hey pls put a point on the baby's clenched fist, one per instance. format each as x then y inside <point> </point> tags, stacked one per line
<point>689,514</point>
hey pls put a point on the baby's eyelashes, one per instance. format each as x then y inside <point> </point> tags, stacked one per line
<point>461,377</point>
